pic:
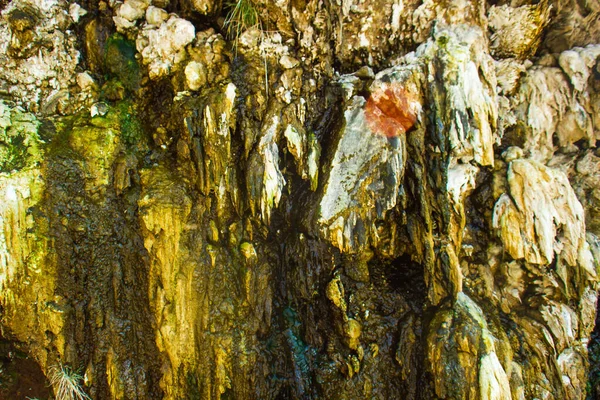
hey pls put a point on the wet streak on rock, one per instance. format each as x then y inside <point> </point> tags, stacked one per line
<point>102,274</point>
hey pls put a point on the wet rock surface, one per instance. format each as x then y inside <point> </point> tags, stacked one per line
<point>328,200</point>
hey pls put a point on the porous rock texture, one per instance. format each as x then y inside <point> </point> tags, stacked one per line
<point>392,200</point>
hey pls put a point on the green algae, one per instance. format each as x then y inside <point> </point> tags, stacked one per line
<point>120,62</point>
<point>19,139</point>
<point>120,125</point>
<point>130,125</point>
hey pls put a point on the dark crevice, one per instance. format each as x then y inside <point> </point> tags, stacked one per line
<point>20,375</point>
<point>593,392</point>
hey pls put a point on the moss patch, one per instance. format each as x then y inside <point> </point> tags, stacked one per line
<point>19,139</point>
<point>132,132</point>
<point>120,62</point>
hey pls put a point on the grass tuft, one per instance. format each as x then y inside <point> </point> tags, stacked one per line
<point>242,16</point>
<point>67,384</point>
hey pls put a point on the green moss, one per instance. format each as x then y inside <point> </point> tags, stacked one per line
<point>122,119</point>
<point>19,139</point>
<point>120,62</point>
<point>242,16</point>
<point>113,90</point>
<point>13,156</point>
<point>132,132</point>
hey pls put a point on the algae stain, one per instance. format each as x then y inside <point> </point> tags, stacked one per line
<point>301,352</point>
<point>13,155</point>
<point>132,131</point>
<point>19,139</point>
<point>81,134</point>
<point>120,62</point>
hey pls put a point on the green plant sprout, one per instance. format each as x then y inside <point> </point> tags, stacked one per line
<point>243,15</point>
<point>67,383</point>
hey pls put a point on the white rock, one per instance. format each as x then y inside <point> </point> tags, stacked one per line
<point>542,217</point>
<point>508,73</point>
<point>133,10</point>
<point>296,145</point>
<point>250,38</point>
<point>76,12</point>
<point>361,158</point>
<point>574,66</point>
<point>288,62</point>
<point>562,322</point>
<point>195,75</point>
<point>48,70</point>
<point>312,162</point>
<point>493,381</point>
<point>99,109</point>
<point>273,180</point>
<point>163,49</point>
<point>85,81</point>
<point>512,153</point>
<point>542,99</point>
<point>461,181</point>
<point>471,97</point>
<point>122,24</point>
<point>156,16</point>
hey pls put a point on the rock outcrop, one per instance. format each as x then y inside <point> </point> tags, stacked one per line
<point>302,199</point>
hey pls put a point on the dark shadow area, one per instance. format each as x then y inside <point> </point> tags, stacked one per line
<point>102,266</point>
<point>404,276</point>
<point>20,376</point>
<point>593,386</point>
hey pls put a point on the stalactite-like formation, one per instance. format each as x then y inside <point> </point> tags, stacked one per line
<point>300,200</point>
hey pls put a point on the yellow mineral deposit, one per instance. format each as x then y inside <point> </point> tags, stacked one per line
<point>299,199</point>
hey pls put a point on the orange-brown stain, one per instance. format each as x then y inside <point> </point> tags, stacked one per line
<point>392,110</point>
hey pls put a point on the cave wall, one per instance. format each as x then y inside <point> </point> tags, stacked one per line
<point>392,199</point>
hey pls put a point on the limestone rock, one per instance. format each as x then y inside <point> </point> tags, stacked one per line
<point>517,31</point>
<point>467,346</point>
<point>38,59</point>
<point>272,180</point>
<point>578,63</point>
<point>471,103</point>
<point>351,202</point>
<point>541,201</point>
<point>393,199</point>
<point>210,58</point>
<point>156,16</point>
<point>128,13</point>
<point>163,48</point>
<point>574,24</point>
<point>537,115</point>
<point>76,12</point>
<point>195,75</point>
<point>586,187</point>
<point>85,81</point>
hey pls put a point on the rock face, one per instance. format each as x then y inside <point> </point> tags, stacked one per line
<point>393,200</point>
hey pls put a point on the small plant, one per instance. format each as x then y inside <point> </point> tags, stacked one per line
<point>242,16</point>
<point>67,383</point>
